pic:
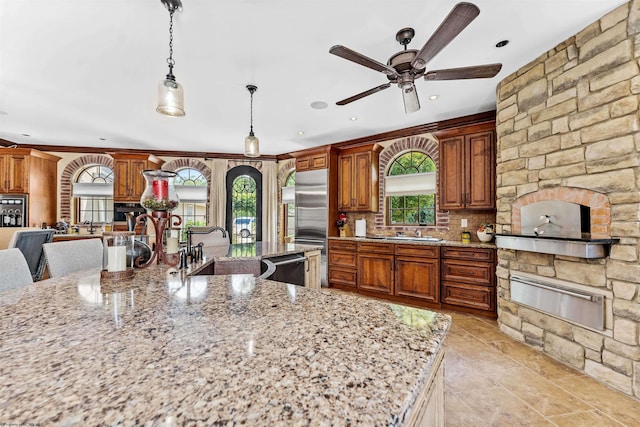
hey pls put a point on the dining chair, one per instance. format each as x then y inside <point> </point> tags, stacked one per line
<point>15,270</point>
<point>73,255</point>
<point>30,243</point>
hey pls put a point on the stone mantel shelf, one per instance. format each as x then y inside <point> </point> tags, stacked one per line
<point>580,248</point>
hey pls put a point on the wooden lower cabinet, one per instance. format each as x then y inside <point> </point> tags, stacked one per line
<point>428,410</point>
<point>471,296</point>
<point>451,277</point>
<point>342,264</point>
<point>375,273</point>
<point>417,272</point>
<point>469,280</point>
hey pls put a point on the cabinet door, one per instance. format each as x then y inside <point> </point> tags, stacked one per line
<point>418,278</point>
<point>480,179</point>
<point>4,173</point>
<point>18,176</point>
<point>345,183</point>
<point>452,166</point>
<point>375,273</point>
<point>137,179</point>
<point>121,180</point>
<point>362,181</point>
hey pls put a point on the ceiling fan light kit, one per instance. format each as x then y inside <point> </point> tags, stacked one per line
<point>251,142</point>
<point>170,92</point>
<point>404,67</point>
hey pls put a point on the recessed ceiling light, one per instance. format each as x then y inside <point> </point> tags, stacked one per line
<point>319,105</point>
<point>300,132</point>
<point>502,43</point>
<point>2,113</point>
<point>25,134</point>
<point>102,139</point>
<point>353,119</point>
<point>434,97</point>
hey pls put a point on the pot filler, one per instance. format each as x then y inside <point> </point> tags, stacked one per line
<point>556,227</point>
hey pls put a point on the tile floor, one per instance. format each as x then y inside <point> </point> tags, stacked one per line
<point>492,380</point>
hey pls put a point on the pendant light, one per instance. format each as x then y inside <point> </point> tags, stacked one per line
<point>251,147</point>
<point>170,92</point>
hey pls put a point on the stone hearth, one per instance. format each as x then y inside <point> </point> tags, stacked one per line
<point>568,129</point>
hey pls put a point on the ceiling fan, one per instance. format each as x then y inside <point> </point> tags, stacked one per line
<point>404,67</point>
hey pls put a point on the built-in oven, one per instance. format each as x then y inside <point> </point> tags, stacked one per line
<point>120,209</point>
<point>14,211</point>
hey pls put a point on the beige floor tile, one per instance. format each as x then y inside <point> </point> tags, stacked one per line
<point>499,407</point>
<point>457,413</point>
<point>541,394</point>
<point>584,419</point>
<point>535,360</point>
<point>618,406</point>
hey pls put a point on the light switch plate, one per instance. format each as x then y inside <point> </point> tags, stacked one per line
<point>463,223</point>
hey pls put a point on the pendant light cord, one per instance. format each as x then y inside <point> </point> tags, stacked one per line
<point>170,60</point>
<point>251,129</point>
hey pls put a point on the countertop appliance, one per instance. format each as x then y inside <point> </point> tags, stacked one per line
<point>14,211</point>
<point>312,213</point>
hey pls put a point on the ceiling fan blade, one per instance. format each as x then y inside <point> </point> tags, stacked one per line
<point>358,58</point>
<point>474,72</point>
<point>460,16</point>
<point>363,94</point>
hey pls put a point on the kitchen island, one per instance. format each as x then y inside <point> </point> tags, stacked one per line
<point>173,349</point>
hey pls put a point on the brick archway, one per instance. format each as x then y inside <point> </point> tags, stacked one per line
<point>427,144</point>
<point>66,179</point>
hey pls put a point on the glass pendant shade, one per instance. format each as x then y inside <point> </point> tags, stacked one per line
<point>410,97</point>
<point>251,146</point>
<point>170,98</point>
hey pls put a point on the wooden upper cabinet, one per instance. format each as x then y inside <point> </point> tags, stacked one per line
<point>14,173</point>
<point>129,183</point>
<point>313,162</point>
<point>358,182</point>
<point>467,171</point>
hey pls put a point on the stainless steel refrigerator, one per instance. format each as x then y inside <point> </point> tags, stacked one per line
<point>312,212</point>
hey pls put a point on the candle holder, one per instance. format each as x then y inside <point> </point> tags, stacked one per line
<point>116,245</point>
<point>160,198</point>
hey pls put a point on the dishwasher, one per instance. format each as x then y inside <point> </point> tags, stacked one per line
<point>285,268</point>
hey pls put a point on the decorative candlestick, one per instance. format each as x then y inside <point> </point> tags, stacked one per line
<point>161,220</point>
<point>159,197</point>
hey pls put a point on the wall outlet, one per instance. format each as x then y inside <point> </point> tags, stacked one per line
<point>463,223</point>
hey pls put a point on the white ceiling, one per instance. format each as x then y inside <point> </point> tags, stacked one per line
<point>75,71</point>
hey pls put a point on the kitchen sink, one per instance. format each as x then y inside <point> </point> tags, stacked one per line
<point>409,238</point>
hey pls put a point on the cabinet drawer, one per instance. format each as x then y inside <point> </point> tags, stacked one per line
<point>474,254</point>
<point>479,297</point>
<point>343,259</point>
<point>470,272</point>
<point>418,250</point>
<point>344,277</point>
<point>380,248</point>
<point>342,245</point>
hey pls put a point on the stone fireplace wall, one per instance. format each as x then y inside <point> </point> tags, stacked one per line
<point>568,123</point>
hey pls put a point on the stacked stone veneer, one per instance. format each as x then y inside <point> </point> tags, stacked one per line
<point>568,127</point>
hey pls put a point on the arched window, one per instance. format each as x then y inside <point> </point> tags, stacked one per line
<point>192,189</point>
<point>244,204</point>
<point>410,187</point>
<point>93,194</point>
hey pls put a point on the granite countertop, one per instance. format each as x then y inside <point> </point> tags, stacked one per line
<point>170,349</point>
<point>456,243</point>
